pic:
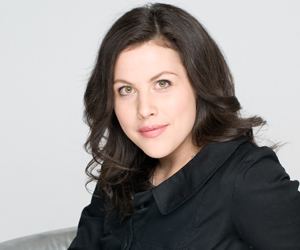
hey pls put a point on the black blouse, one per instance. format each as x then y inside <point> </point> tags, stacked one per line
<point>232,195</point>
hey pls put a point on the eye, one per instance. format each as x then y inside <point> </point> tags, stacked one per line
<point>127,90</point>
<point>164,83</point>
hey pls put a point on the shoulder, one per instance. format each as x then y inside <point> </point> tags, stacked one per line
<point>251,152</point>
<point>250,158</point>
<point>261,179</point>
<point>252,167</point>
<point>258,163</point>
<point>254,152</point>
<point>265,202</point>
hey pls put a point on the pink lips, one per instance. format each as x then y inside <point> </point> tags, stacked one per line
<point>151,132</point>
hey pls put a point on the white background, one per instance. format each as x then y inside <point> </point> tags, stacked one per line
<point>47,51</point>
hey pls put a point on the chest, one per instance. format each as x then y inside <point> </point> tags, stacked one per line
<point>203,221</point>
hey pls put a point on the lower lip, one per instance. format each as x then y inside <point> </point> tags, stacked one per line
<point>153,133</point>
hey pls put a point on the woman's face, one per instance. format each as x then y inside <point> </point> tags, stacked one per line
<point>151,87</point>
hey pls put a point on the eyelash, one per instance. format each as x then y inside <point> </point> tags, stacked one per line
<point>163,80</point>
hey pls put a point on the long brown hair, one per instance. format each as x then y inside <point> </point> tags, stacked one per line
<point>118,165</point>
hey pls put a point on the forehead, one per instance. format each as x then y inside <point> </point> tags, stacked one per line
<point>147,59</point>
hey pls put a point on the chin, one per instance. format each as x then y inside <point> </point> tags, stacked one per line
<point>155,152</point>
<point>155,155</point>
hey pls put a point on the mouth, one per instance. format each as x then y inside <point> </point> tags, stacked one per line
<point>155,131</point>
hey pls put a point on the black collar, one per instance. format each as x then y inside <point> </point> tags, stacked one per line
<point>178,188</point>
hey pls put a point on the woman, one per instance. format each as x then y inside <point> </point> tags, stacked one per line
<point>179,167</point>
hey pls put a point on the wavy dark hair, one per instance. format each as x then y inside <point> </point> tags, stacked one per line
<point>118,166</point>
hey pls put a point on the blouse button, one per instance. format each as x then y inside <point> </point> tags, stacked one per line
<point>142,206</point>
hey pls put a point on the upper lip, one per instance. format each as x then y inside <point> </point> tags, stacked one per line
<point>151,127</point>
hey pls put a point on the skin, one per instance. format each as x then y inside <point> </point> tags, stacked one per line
<point>168,99</point>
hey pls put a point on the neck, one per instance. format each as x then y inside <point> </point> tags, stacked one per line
<point>169,165</point>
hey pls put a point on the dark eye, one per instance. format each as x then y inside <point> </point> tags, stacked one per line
<point>126,88</point>
<point>164,83</point>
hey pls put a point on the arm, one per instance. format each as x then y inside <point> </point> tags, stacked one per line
<point>266,203</point>
<point>90,226</point>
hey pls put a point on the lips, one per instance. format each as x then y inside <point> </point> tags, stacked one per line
<point>152,131</point>
<point>150,128</point>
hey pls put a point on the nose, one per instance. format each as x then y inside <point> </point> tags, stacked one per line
<point>145,106</point>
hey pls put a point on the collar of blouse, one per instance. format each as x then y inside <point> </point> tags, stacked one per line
<point>181,186</point>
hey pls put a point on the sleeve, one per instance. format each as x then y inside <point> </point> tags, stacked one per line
<point>90,226</point>
<point>266,203</point>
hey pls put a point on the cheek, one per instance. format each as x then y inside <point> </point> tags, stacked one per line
<point>184,110</point>
<point>183,104</point>
<point>120,113</point>
<point>124,115</point>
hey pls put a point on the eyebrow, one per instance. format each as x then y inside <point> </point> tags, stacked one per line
<point>151,79</point>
